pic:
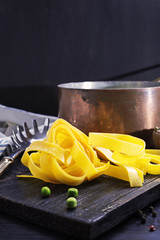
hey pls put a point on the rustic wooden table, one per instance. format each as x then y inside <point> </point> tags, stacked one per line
<point>12,228</point>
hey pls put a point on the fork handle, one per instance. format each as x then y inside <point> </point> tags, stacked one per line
<point>5,162</point>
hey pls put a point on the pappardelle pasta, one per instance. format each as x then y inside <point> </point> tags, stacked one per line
<point>68,156</point>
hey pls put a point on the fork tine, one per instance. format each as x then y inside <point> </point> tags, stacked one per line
<point>18,142</point>
<point>35,126</point>
<point>24,136</point>
<point>15,143</point>
<point>19,130</point>
<point>46,125</point>
<point>26,129</point>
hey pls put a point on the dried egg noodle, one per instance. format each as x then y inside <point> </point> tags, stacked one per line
<point>68,156</point>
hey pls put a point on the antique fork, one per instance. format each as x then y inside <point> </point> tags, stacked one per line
<point>22,141</point>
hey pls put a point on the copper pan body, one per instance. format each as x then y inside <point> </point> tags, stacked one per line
<point>112,106</point>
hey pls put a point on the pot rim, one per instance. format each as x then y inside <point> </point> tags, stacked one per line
<point>109,85</point>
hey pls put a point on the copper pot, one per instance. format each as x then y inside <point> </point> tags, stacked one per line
<point>112,106</point>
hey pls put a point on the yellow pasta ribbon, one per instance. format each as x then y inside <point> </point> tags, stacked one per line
<point>68,156</point>
<point>63,157</point>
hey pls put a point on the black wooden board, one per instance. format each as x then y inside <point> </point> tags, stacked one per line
<point>102,203</point>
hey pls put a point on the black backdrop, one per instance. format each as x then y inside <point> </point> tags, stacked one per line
<point>47,42</point>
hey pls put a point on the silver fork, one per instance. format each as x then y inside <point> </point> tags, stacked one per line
<point>22,141</point>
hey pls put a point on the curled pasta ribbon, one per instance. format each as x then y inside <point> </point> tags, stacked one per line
<point>123,151</point>
<point>68,156</point>
<point>128,154</point>
<point>154,165</point>
<point>65,156</point>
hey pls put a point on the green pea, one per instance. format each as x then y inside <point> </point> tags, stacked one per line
<point>45,192</point>
<point>72,192</point>
<point>71,202</point>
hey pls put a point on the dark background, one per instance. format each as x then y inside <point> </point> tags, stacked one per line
<point>47,42</point>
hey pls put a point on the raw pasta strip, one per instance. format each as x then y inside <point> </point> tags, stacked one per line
<point>73,164</point>
<point>83,161</point>
<point>82,153</point>
<point>55,152</point>
<point>154,165</point>
<point>126,151</point>
<point>124,144</point>
<point>127,173</point>
<point>63,134</point>
<point>69,156</point>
